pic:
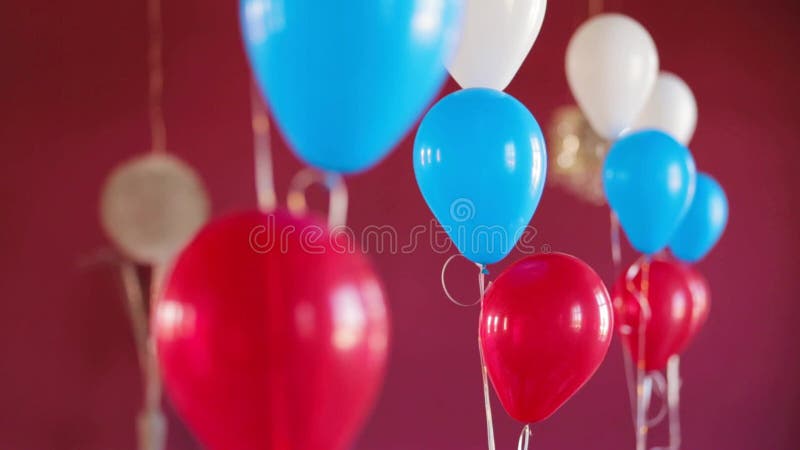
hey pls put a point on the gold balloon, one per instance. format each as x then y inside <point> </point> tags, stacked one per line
<point>151,206</point>
<point>576,155</point>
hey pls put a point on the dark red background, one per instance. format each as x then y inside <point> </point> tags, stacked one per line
<point>73,93</point>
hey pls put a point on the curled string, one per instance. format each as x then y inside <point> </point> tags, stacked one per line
<point>447,292</point>
<point>151,423</point>
<point>657,385</point>
<point>155,62</point>
<point>262,152</point>
<point>337,194</point>
<point>524,438</point>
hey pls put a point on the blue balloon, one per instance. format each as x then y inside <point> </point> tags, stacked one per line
<point>346,79</point>
<point>649,179</point>
<point>480,163</point>
<point>704,223</point>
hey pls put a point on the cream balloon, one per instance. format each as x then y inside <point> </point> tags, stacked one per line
<point>151,206</point>
<point>611,65</point>
<point>497,36</point>
<point>671,109</point>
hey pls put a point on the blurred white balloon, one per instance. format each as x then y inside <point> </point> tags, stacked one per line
<point>611,65</point>
<point>671,108</point>
<point>496,37</point>
<point>151,206</point>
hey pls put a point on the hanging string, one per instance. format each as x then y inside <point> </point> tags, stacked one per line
<point>656,386</point>
<point>262,153</point>
<point>337,194</point>
<point>487,403</point>
<point>595,7</point>
<point>673,400</point>
<point>447,292</point>
<point>155,62</point>
<point>524,438</point>
<point>151,423</point>
<point>644,317</point>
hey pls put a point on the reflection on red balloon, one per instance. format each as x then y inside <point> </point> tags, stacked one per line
<point>270,339</point>
<point>545,327</point>
<point>701,303</point>
<point>670,299</point>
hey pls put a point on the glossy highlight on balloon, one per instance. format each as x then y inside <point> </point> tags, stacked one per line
<point>546,325</point>
<point>270,340</point>
<point>649,180</point>
<point>480,163</point>
<point>704,223</point>
<point>669,296</point>
<point>346,80</point>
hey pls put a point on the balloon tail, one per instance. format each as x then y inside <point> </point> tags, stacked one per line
<point>155,61</point>
<point>487,404</point>
<point>337,194</point>
<point>151,423</point>
<point>595,7</point>
<point>262,152</point>
<point>524,438</point>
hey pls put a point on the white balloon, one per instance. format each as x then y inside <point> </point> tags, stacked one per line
<point>612,64</point>
<point>496,37</point>
<point>151,206</point>
<point>671,109</point>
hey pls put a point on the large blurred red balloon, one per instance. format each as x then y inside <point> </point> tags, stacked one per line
<point>701,303</point>
<point>670,298</point>
<point>270,336</point>
<point>545,327</point>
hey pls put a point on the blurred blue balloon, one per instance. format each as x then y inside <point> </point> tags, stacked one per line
<point>704,223</point>
<point>649,179</point>
<point>480,162</point>
<point>346,79</point>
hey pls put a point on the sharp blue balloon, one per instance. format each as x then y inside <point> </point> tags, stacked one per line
<point>649,179</point>
<point>704,223</point>
<point>345,80</point>
<point>480,162</point>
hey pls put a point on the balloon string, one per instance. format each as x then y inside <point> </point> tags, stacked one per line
<point>616,249</point>
<point>447,291</point>
<point>151,423</point>
<point>262,152</point>
<point>524,438</point>
<point>658,386</point>
<point>644,317</point>
<point>595,7</point>
<point>155,61</point>
<point>487,404</point>
<point>673,399</point>
<point>337,194</point>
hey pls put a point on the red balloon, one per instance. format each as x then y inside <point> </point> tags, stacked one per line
<point>701,303</point>
<point>545,327</point>
<point>670,300</point>
<point>270,337</point>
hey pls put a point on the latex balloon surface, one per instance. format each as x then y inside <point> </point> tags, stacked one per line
<point>496,38</point>
<point>701,302</point>
<point>649,180</point>
<point>576,154</point>
<point>270,338</point>
<point>671,109</point>
<point>480,162</point>
<point>346,79</point>
<point>151,206</point>
<point>703,225</point>
<point>545,327</point>
<point>669,297</point>
<point>611,65</point>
